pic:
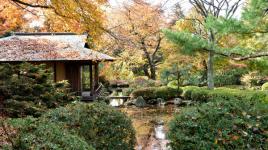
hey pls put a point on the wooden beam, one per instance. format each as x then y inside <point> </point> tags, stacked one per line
<point>78,69</point>
<point>91,78</point>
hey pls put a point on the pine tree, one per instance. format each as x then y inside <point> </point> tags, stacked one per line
<point>218,20</point>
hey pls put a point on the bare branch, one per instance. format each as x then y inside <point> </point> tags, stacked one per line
<point>251,56</point>
<point>157,46</point>
<point>31,5</point>
<point>239,57</point>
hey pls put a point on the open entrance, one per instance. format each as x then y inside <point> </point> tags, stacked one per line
<point>87,72</point>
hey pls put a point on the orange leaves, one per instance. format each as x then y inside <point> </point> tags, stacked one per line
<point>235,137</point>
<point>76,16</point>
<point>11,17</point>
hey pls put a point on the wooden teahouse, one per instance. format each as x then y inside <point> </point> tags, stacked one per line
<point>66,53</point>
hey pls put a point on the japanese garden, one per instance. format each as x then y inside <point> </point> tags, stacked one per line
<point>133,74</point>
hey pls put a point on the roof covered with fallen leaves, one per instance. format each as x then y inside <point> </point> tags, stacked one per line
<point>48,47</point>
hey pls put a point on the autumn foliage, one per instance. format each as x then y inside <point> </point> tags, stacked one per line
<point>11,18</point>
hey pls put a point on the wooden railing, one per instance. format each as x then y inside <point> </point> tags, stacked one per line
<point>94,95</point>
<point>98,90</point>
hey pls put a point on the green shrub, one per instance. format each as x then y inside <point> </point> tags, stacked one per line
<point>195,79</point>
<point>229,77</point>
<point>221,124</point>
<point>163,92</point>
<point>202,94</point>
<point>31,133</point>
<point>264,87</point>
<point>143,81</point>
<point>251,79</point>
<point>173,84</point>
<point>75,126</point>
<point>47,135</point>
<point>29,90</point>
<point>100,125</point>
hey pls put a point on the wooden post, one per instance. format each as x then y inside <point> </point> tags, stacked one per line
<point>91,79</point>
<point>55,71</point>
<point>78,78</point>
<point>96,74</point>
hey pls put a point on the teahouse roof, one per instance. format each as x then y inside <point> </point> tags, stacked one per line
<point>48,47</point>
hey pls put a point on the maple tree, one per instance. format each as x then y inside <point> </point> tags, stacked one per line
<point>10,17</point>
<point>78,16</point>
<point>139,35</point>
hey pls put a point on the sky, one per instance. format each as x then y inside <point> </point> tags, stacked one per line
<point>169,4</point>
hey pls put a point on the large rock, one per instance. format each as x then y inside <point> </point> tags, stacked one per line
<point>178,101</point>
<point>161,101</point>
<point>140,102</point>
<point>152,101</point>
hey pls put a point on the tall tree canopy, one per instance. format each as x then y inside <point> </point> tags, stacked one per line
<point>217,22</point>
<point>137,33</point>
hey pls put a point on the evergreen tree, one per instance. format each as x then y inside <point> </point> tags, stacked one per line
<point>27,89</point>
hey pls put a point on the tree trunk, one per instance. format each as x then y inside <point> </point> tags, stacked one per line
<point>210,69</point>
<point>153,71</point>
<point>145,70</point>
<point>205,71</point>
<point>150,61</point>
<point>210,74</point>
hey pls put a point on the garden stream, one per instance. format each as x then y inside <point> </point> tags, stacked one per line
<point>151,126</point>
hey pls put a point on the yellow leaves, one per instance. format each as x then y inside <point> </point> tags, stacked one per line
<point>228,41</point>
<point>256,43</point>
<point>183,25</point>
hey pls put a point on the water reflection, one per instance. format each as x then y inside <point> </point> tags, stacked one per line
<point>150,124</point>
<point>159,132</point>
<point>116,102</point>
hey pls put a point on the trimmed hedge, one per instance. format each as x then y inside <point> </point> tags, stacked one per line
<point>163,92</point>
<point>76,126</point>
<point>202,94</point>
<point>221,124</point>
<point>173,84</point>
<point>264,87</point>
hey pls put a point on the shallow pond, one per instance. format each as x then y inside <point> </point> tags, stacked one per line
<point>151,124</point>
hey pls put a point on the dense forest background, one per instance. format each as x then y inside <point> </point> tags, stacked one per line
<point>161,43</point>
